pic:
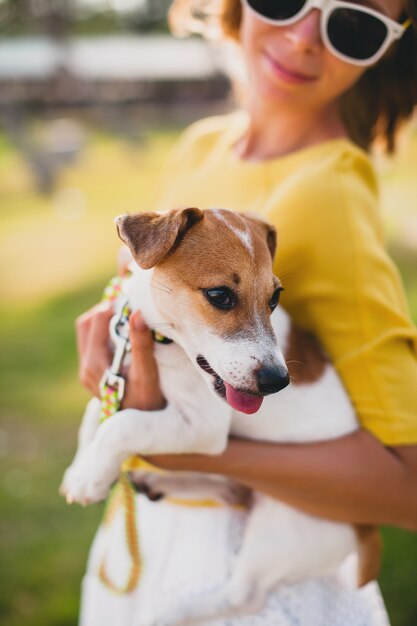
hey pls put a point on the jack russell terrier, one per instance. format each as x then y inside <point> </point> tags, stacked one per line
<point>207,276</point>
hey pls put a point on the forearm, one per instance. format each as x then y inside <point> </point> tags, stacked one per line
<point>353,479</point>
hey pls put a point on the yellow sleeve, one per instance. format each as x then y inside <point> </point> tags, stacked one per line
<point>342,286</point>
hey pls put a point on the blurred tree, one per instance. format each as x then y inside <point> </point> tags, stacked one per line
<point>142,15</point>
<point>58,18</point>
<point>53,17</point>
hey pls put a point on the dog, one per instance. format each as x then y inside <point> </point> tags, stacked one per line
<point>206,278</point>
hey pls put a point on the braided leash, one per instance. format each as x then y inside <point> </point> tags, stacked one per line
<point>123,493</point>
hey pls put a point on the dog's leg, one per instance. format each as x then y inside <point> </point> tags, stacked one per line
<point>88,428</point>
<point>131,432</point>
<point>89,423</point>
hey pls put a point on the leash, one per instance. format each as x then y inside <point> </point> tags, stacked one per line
<point>112,384</point>
<point>112,388</point>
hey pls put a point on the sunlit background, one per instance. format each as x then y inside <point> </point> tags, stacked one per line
<point>92,95</point>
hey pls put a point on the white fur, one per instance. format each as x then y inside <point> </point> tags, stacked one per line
<point>280,543</point>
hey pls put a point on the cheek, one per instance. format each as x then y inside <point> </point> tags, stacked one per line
<point>246,40</point>
<point>341,76</point>
<point>250,34</point>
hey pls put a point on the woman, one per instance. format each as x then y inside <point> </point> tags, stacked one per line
<point>324,80</point>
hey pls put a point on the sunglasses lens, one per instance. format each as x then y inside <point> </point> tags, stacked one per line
<point>280,10</point>
<point>356,34</point>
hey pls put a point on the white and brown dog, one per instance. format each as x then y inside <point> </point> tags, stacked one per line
<point>206,276</point>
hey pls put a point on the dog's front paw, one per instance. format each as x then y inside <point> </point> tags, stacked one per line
<point>68,479</point>
<point>89,479</point>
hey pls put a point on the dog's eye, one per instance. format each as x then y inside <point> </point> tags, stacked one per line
<point>273,303</point>
<point>221,297</point>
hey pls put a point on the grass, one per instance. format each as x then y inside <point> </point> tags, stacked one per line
<point>56,254</point>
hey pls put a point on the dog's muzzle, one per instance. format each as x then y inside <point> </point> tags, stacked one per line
<point>269,380</point>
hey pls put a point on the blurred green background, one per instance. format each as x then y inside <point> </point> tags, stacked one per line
<point>56,254</point>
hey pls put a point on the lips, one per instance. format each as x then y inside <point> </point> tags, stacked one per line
<point>239,400</point>
<point>286,72</point>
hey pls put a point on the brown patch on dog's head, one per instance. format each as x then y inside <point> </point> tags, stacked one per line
<point>267,230</point>
<point>230,250</point>
<point>304,357</point>
<point>151,236</point>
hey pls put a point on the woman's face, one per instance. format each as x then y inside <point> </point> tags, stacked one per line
<point>290,64</point>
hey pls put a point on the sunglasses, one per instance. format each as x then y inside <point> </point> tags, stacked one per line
<point>354,33</point>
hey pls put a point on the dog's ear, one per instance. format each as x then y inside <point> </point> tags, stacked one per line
<point>266,229</point>
<point>152,236</point>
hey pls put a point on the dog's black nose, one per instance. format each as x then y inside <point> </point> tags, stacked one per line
<point>271,379</point>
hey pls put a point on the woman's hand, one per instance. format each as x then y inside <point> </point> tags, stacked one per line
<point>142,381</point>
<point>142,389</point>
<point>92,335</point>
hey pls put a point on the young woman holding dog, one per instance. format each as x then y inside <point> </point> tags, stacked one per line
<point>324,81</point>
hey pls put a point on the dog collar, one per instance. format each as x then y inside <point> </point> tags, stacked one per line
<point>158,338</point>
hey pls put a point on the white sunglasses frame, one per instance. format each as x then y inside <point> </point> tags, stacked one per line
<point>394,30</point>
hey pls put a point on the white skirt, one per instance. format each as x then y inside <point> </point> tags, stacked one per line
<point>189,550</point>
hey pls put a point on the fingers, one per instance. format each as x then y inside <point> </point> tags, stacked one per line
<point>143,390</point>
<point>83,325</point>
<point>141,340</point>
<point>92,333</point>
<point>142,380</point>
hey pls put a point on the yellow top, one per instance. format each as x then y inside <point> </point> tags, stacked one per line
<point>339,281</point>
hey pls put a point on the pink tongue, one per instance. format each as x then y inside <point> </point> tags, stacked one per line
<point>242,402</point>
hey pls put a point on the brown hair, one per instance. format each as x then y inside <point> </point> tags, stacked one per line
<point>373,109</point>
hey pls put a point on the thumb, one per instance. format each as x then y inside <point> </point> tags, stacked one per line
<point>143,361</point>
<point>143,390</point>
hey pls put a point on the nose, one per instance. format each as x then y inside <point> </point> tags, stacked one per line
<point>305,33</point>
<point>272,379</point>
